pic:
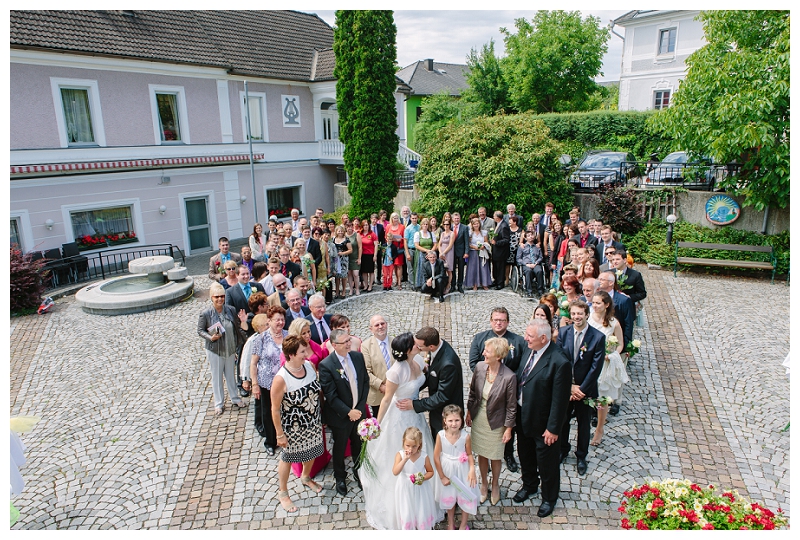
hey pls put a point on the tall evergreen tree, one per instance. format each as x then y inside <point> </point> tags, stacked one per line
<point>365,49</point>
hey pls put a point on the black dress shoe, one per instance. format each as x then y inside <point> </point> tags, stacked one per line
<point>511,463</point>
<point>582,466</point>
<point>441,299</point>
<point>614,409</point>
<point>461,289</point>
<point>546,509</point>
<point>341,488</point>
<point>523,494</point>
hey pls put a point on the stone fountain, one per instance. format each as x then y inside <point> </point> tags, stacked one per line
<point>157,282</point>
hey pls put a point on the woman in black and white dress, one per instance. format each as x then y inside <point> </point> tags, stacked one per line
<point>296,409</point>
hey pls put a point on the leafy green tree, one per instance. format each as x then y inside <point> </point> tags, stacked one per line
<point>492,161</point>
<point>365,50</point>
<point>440,110</point>
<point>734,103</point>
<point>551,61</point>
<point>487,86</point>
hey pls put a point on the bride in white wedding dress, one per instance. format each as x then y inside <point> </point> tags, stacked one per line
<point>403,380</point>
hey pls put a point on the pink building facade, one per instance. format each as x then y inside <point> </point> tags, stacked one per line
<point>117,136</point>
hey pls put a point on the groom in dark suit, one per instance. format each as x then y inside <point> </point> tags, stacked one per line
<point>586,347</point>
<point>345,383</point>
<point>444,381</point>
<point>460,251</point>
<point>544,381</point>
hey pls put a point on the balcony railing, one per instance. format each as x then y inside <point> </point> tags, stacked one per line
<point>333,150</point>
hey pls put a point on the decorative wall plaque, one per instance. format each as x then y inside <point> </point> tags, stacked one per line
<point>290,108</point>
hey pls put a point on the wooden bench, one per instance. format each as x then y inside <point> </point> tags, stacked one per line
<point>758,265</point>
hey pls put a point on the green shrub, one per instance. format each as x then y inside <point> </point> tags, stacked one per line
<point>493,161</point>
<point>626,131</point>
<point>336,215</point>
<point>649,244</point>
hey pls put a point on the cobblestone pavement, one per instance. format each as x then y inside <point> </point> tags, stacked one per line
<point>128,438</point>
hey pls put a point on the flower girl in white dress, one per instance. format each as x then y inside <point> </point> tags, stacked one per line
<point>454,463</point>
<point>415,507</point>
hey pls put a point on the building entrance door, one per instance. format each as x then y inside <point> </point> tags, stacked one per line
<point>197,225</point>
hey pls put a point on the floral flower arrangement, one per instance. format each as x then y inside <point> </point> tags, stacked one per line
<point>417,478</point>
<point>563,308</point>
<point>602,401</point>
<point>611,344</point>
<point>368,429</point>
<point>674,504</point>
<point>633,347</point>
<point>98,240</point>
<point>324,282</point>
<point>463,458</point>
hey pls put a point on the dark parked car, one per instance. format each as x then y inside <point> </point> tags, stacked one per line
<point>676,170</point>
<point>602,169</point>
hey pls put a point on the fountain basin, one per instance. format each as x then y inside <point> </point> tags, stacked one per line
<point>133,294</point>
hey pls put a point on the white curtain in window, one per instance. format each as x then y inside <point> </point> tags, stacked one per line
<point>107,221</point>
<point>256,130</point>
<point>77,116</point>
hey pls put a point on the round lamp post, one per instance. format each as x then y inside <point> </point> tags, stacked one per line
<point>671,219</point>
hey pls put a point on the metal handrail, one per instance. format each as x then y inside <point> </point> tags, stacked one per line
<point>108,262</point>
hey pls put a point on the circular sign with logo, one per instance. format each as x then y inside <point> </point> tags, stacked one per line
<point>722,210</point>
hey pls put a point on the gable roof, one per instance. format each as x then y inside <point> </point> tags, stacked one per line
<point>640,14</point>
<point>274,44</point>
<point>451,77</point>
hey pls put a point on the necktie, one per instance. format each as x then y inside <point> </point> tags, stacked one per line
<point>577,345</point>
<point>385,352</point>
<point>351,376</point>
<point>304,302</point>
<point>322,335</point>
<point>284,271</point>
<point>247,291</point>
<point>455,232</point>
<point>525,373</point>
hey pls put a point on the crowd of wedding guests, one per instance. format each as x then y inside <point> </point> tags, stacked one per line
<point>267,334</point>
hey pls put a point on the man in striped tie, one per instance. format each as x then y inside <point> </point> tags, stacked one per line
<point>377,351</point>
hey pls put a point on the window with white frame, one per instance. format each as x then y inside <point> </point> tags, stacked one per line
<point>78,116</point>
<point>666,40</point>
<point>170,120</point>
<point>258,113</point>
<point>280,201</point>
<point>103,226</point>
<point>661,99</point>
<point>16,237</point>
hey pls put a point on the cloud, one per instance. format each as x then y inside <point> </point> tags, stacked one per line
<point>448,35</point>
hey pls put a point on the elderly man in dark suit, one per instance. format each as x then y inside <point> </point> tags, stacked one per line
<point>460,251</point>
<point>444,381</point>
<point>586,347</point>
<point>434,276</point>
<point>499,319</point>
<point>345,383</point>
<point>500,250</point>
<point>320,321</point>
<point>294,308</point>
<point>380,232</point>
<point>544,380</point>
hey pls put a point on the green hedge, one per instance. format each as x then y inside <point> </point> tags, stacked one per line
<point>649,244</point>
<point>614,130</point>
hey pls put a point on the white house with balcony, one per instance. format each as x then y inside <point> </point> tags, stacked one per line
<point>656,45</point>
<point>131,126</point>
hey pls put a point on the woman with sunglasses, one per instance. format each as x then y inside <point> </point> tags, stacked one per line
<point>230,278</point>
<point>223,332</point>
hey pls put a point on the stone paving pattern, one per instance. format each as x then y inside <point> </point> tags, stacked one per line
<point>128,439</point>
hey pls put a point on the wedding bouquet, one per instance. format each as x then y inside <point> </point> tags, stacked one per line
<point>491,235</point>
<point>563,308</point>
<point>611,344</point>
<point>602,401</point>
<point>417,478</point>
<point>633,348</point>
<point>324,282</point>
<point>674,504</point>
<point>368,429</point>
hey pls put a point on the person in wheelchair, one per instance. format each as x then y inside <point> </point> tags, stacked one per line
<point>529,259</point>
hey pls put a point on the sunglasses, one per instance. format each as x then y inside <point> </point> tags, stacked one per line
<point>281,286</point>
<point>218,296</point>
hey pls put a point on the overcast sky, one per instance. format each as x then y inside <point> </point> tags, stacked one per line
<point>448,36</point>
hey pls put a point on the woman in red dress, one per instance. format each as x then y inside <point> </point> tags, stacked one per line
<point>394,237</point>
